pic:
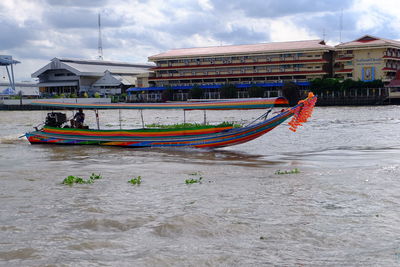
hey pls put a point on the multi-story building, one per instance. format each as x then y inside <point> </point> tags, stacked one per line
<point>266,65</point>
<point>367,58</point>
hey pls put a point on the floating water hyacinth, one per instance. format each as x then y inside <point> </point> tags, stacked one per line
<point>136,180</point>
<point>193,181</point>
<point>287,172</point>
<point>70,180</point>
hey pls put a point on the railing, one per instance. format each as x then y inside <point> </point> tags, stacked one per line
<point>364,96</point>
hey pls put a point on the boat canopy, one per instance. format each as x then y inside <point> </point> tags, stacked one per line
<point>258,103</point>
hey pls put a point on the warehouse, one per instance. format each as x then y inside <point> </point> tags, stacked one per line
<point>79,76</point>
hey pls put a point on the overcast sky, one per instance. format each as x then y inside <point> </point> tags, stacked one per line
<point>35,31</point>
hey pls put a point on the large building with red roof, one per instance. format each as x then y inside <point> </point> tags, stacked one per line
<point>271,65</point>
<point>268,64</point>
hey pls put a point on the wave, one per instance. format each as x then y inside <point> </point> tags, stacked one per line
<point>12,139</point>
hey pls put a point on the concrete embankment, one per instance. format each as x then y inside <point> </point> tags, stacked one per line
<point>26,104</point>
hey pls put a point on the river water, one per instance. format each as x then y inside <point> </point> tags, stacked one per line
<point>342,209</point>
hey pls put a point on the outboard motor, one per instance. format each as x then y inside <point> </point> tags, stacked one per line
<point>55,119</point>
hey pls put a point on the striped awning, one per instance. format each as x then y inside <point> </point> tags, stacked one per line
<point>258,103</point>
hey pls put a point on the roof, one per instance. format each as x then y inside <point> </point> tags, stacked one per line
<point>369,40</point>
<point>222,104</point>
<point>109,79</point>
<point>6,60</point>
<point>83,67</point>
<point>245,49</point>
<point>209,86</point>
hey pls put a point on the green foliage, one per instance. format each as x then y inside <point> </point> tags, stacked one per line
<point>70,180</point>
<point>73,95</point>
<point>291,92</point>
<point>96,95</point>
<point>256,91</point>
<point>193,181</point>
<point>333,84</point>
<point>167,94</point>
<point>294,171</point>
<point>191,125</point>
<point>196,92</point>
<point>136,180</point>
<point>228,91</point>
<point>95,176</point>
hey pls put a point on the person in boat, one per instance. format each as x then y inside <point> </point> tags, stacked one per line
<point>79,118</point>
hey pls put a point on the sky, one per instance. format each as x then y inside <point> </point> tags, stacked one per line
<point>35,31</point>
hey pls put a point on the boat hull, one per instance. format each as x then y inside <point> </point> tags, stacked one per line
<point>205,138</point>
<point>200,137</point>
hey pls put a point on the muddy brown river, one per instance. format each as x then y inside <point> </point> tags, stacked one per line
<point>341,209</point>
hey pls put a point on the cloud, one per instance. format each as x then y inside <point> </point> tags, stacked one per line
<point>132,30</point>
<point>77,3</point>
<point>273,8</point>
<point>72,17</point>
<point>13,35</point>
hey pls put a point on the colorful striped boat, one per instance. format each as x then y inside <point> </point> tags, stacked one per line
<point>206,136</point>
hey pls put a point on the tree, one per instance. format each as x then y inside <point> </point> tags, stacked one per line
<point>196,92</point>
<point>291,91</point>
<point>228,91</point>
<point>167,94</point>
<point>255,91</point>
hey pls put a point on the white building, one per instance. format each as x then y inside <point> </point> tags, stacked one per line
<point>75,76</point>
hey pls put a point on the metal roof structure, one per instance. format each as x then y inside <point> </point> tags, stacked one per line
<point>110,79</point>
<point>6,61</point>
<point>83,67</point>
<point>254,103</point>
<point>278,47</point>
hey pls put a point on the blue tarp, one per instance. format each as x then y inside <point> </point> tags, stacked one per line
<point>8,91</point>
<point>210,86</point>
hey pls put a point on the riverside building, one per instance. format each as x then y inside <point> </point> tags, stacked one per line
<point>367,58</point>
<point>77,76</point>
<point>267,65</point>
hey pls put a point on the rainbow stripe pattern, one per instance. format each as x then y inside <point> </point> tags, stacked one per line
<point>204,105</point>
<point>199,137</point>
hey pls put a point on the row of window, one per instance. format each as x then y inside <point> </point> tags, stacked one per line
<point>228,60</point>
<point>63,74</point>
<point>283,68</point>
<point>391,52</point>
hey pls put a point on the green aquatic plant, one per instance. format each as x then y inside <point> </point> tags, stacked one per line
<point>191,125</point>
<point>95,176</point>
<point>193,181</point>
<point>70,180</point>
<point>287,172</point>
<point>136,180</point>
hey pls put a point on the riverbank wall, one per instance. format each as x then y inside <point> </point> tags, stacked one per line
<point>26,104</point>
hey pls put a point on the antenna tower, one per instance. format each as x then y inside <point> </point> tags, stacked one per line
<point>341,26</point>
<point>100,44</point>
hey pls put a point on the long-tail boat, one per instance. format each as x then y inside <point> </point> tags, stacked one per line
<point>204,136</point>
